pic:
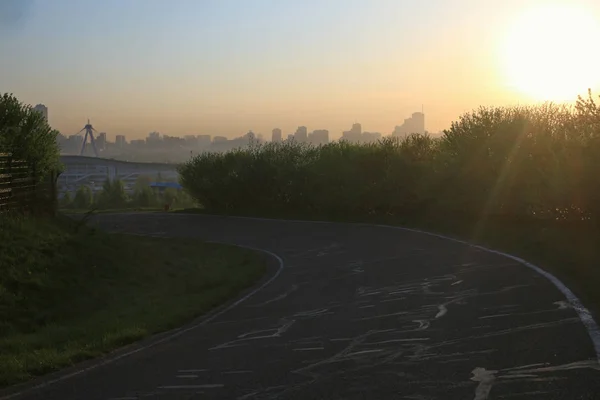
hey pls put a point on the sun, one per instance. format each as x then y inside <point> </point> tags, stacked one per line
<point>551,52</point>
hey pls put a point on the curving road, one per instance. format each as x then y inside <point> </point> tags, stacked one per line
<point>358,312</point>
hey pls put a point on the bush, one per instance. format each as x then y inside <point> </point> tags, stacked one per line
<point>112,195</point>
<point>66,201</point>
<point>509,162</point>
<point>83,198</point>
<point>26,134</point>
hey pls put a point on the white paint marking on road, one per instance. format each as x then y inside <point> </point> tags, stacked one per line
<point>381,316</point>
<point>247,396</point>
<point>399,340</point>
<point>371,306</point>
<point>364,352</point>
<point>184,387</point>
<point>486,380</point>
<point>176,333</point>
<point>525,366</point>
<point>310,349</point>
<point>280,297</point>
<point>443,310</point>
<point>191,371</point>
<point>394,299</point>
<point>340,339</point>
<point>494,316</point>
<point>423,324</point>
<point>238,372</point>
<point>262,334</point>
<point>456,283</point>
<point>585,316</point>
<point>311,313</point>
<point>562,305</point>
<point>187,376</point>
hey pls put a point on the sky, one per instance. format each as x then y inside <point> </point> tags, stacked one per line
<point>223,67</point>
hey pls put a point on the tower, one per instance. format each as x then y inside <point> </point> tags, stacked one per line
<point>89,131</point>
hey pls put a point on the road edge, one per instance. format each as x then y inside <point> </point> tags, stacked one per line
<point>274,269</point>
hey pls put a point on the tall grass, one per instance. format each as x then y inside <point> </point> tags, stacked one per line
<point>536,162</point>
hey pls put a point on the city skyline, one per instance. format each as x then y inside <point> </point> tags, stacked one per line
<point>223,67</point>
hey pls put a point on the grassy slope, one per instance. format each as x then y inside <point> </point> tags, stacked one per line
<point>67,297</point>
<point>567,250</point>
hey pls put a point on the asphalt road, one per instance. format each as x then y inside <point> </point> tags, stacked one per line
<point>359,312</point>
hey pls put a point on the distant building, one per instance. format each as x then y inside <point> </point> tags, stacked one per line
<point>276,135</point>
<point>354,134</point>
<point>219,139</point>
<point>42,109</point>
<point>370,137</point>
<point>291,137</point>
<point>120,141</point>
<point>191,141</point>
<point>301,134</point>
<point>137,143</point>
<point>319,136</point>
<point>203,140</point>
<point>101,141</point>
<point>414,124</point>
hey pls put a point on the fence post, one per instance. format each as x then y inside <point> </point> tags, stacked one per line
<point>34,205</point>
<point>10,181</point>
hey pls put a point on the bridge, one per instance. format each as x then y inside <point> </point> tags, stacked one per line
<point>93,172</point>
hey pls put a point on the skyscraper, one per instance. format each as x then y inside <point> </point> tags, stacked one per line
<point>301,134</point>
<point>42,109</point>
<point>120,141</point>
<point>354,134</point>
<point>276,136</point>
<point>319,136</point>
<point>419,122</point>
<point>414,124</point>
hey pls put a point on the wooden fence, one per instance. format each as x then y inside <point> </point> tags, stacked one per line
<point>21,190</point>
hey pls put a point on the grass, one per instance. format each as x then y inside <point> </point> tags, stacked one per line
<point>109,210</point>
<point>568,250</point>
<point>68,296</point>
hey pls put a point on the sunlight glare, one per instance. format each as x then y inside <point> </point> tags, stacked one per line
<point>550,53</point>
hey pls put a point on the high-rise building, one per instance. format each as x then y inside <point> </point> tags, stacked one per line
<point>419,122</point>
<point>370,137</point>
<point>42,109</point>
<point>137,143</point>
<point>301,134</point>
<point>120,141</point>
<point>101,141</point>
<point>414,124</point>
<point>354,134</point>
<point>319,136</point>
<point>276,135</point>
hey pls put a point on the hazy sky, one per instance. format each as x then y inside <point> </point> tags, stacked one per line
<point>227,66</point>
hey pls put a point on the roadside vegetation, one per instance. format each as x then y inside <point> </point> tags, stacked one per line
<point>70,293</point>
<point>521,179</point>
<point>113,197</point>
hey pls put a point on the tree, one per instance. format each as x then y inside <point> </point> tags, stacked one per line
<point>143,196</point>
<point>66,201</point>
<point>113,194</point>
<point>26,134</point>
<point>83,198</point>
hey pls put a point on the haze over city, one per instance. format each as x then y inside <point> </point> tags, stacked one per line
<point>224,67</point>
